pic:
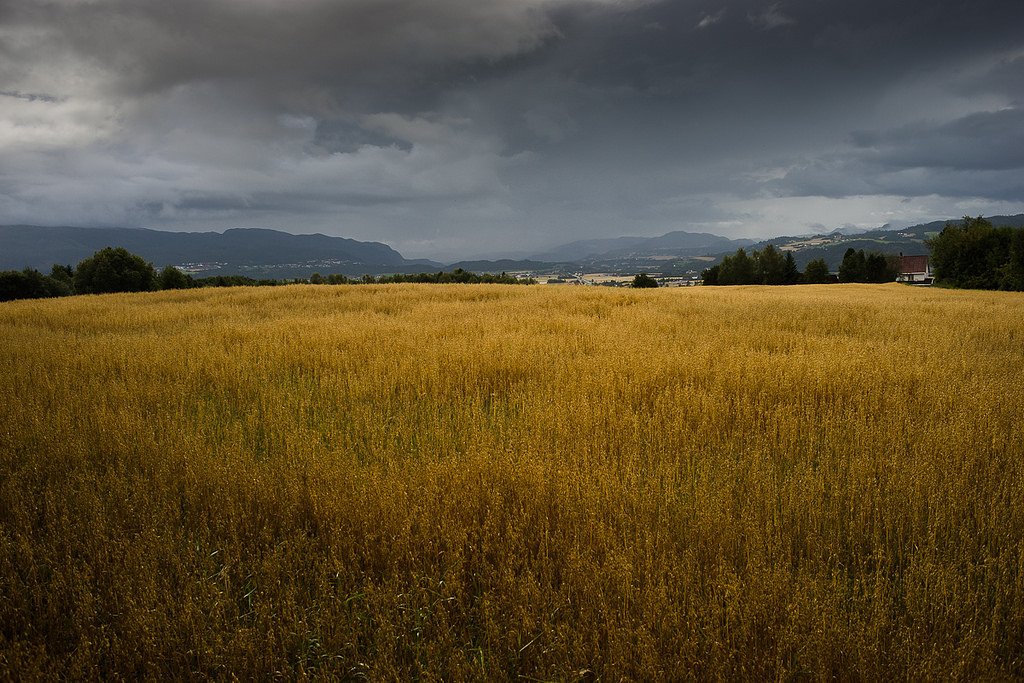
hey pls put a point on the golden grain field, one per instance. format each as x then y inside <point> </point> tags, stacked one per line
<point>416,482</point>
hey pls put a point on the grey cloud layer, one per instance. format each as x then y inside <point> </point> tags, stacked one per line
<point>463,124</point>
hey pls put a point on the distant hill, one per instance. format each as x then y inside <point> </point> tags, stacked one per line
<point>501,265</point>
<point>246,251</point>
<point>1014,221</point>
<point>270,253</point>
<point>909,240</point>
<point>677,243</point>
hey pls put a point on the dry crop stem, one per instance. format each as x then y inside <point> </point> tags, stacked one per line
<point>485,482</point>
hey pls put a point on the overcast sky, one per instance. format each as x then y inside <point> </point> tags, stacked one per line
<point>452,128</point>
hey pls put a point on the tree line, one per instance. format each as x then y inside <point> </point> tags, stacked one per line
<point>978,255</point>
<point>115,269</point>
<point>108,270</point>
<point>770,266</point>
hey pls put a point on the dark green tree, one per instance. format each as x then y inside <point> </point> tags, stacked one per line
<point>769,266</point>
<point>877,268</point>
<point>960,253</point>
<point>978,255</point>
<point>737,269</point>
<point>114,270</point>
<point>854,266</point>
<point>726,271</point>
<point>790,273</point>
<point>65,274</point>
<point>30,284</point>
<point>816,273</point>
<point>1011,275</point>
<point>172,278</point>
<point>710,275</point>
<point>644,281</point>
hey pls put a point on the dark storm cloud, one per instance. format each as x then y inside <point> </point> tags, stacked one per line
<point>654,83</point>
<point>982,141</point>
<point>468,124</point>
<point>1005,77</point>
<point>29,96</point>
<point>147,46</point>
<point>871,39</point>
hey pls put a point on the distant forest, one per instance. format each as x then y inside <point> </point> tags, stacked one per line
<point>968,254</point>
<point>978,255</point>
<point>769,266</point>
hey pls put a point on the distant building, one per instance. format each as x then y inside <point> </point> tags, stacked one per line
<point>915,270</point>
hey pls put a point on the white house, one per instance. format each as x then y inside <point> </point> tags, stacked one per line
<point>915,270</point>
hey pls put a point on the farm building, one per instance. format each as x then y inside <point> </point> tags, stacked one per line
<point>915,270</point>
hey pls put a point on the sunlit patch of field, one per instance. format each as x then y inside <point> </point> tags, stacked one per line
<point>486,482</point>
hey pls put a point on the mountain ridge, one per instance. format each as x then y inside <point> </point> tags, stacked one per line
<point>255,251</point>
<point>262,252</point>
<point>887,239</point>
<point>676,241</point>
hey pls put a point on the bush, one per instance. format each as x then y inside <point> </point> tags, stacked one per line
<point>64,275</point>
<point>872,267</point>
<point>816,273</point>
<point>172,278</point>
<point>114,270</point>
<point>644,281</point>
<point>978,255</point>
<point>737,269</point>
<point>30,284</point>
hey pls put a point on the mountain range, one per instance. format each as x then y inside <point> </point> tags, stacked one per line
<point>908,240</point>
<point>676,243</point>
<point>246,251</point>
<point>260,252</point>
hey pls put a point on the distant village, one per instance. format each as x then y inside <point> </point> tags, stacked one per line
<point>609,279</point>
<point>913,269</point>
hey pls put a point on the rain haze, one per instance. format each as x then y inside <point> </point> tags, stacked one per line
<point>460,128</point>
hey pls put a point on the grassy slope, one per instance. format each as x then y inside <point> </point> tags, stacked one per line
<point>492,482</point>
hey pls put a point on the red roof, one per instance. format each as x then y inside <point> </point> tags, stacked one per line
<point>913,264</point>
